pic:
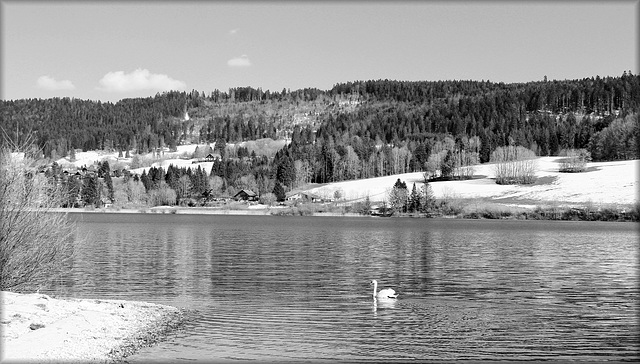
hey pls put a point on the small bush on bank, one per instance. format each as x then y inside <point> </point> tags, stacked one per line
<point>188,202</point>
<point>449,207</point>
<point>492,211</point>
<point>360,207</point>
<point>308,209</point>
<point>548,212</point>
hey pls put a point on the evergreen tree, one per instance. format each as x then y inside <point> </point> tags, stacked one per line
<point>285,172</point>
<point>398,196</point>
<point>278,190</point>
<point>146,181</point>
<point>172,176</point>
<point>156,177</point>
<point>103,169</point>
<point>91,190</point>
<point>109,183</point>
<point>414,200</point>
<point>448,165</point>
<point>221,147</point>
<point>400,184</point>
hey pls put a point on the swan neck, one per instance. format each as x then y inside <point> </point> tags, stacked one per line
<point>375,288</point>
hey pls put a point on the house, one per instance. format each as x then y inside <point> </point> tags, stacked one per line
<point>211,157</point>
<point>246,195</point>
<point>293,196</point>
<point>304,196</point>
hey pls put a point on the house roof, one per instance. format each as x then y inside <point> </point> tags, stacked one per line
<point>247,192</point>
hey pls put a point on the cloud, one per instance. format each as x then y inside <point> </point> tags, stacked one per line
<point>233,31</point>
<point>242,61</point>
<point>138,80</point>
<point>49,83</point>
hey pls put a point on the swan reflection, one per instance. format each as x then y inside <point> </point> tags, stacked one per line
<point>384,303</point>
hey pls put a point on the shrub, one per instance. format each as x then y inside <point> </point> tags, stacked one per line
<point>450,204</point>
<point>575,160</point>
<point>514,165</point>
<point>361,207</point>
<point>162,196</point>
<point>34,240</point>
<point>267,198</point>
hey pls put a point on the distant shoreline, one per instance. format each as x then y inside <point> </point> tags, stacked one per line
<point>491,211</point>
<point>194,211</point>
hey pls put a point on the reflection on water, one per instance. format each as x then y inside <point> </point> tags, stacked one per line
<point>383,304</point>
<point>281,289</point>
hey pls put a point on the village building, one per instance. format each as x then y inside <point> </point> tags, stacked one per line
<point>245,195</point>
<point>304,196</point>
<point>211,157</point>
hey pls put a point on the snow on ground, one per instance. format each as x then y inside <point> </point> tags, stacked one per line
<point>176,158</point>
<point>89,158</point>
<point>602,183</point>
<point>39,328</point>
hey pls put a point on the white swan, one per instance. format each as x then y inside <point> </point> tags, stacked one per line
<point>384,293</point>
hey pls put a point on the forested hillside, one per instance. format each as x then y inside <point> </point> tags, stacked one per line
<point>355,130</point>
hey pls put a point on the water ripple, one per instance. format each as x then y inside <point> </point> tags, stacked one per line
<point>296,289</point>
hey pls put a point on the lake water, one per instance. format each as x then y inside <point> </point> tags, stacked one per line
<point>297,288</point>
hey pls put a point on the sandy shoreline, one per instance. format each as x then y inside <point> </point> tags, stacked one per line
<point>39,328</point>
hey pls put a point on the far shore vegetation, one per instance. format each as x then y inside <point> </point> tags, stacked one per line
<point>160,191</point>
<point>449,206</point>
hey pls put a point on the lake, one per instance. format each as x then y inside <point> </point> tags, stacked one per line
<point>297,288</point>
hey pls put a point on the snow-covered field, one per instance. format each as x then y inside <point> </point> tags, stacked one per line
<point>602,183</point>
<point>176,158</point>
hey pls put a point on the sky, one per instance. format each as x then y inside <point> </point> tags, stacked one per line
<point>110,50</point>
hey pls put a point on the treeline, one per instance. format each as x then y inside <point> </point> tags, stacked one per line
<point>59,125</point>
<point>543,116</point>
<point>355,130</point>
<point>586,95</point>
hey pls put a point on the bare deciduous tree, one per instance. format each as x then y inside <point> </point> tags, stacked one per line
<point>575,160</point>
<point>34,240</point>
<point>514,165</point>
